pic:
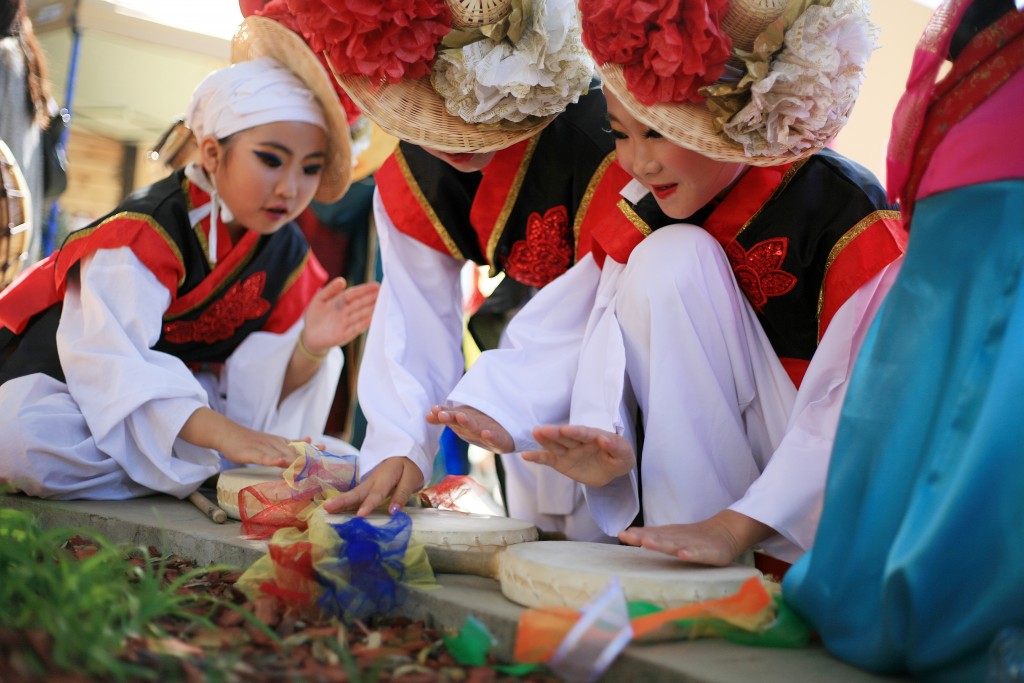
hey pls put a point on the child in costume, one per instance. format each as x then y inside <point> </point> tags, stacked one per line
<point>502,164</point>
<point>723,326</point>
<point>192,323</point>
<point>918,565</point>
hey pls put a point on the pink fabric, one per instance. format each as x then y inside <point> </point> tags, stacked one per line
<point>984,147</point>
<point>929,56</point>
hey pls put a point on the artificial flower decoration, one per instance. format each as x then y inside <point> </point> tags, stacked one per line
<point>278,11</point>
<point>803,77</point>
<point>668,49</point>
<point>384,40</point>
<point>531,66</point>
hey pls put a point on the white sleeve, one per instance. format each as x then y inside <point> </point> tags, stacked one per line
<point>788,494</point>
<point>134,400</point>
<point>413,353</point>
<point>528,381</point>
<point>252,381</point>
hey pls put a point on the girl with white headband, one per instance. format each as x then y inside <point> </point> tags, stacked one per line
<point>191,328</point>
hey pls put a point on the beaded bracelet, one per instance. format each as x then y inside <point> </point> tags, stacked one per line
<point>304,350</point>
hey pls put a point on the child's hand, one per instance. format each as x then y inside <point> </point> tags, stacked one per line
<point>337,314</point>
<point>473,427</point>
<point>209,429</point>
<point>249,447</point>
<point>589,455</point>
<point>396,477</point>
<point>716,541</point>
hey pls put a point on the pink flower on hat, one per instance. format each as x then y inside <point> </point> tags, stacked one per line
<point>388,40</point>
<point>668,49</point>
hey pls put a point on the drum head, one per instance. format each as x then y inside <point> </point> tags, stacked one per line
<point>460,531</point>
<point>15,218</point>
<point>572,573</point>
<point>230,482</point>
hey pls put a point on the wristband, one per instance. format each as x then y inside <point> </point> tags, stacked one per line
<point>304,350</point>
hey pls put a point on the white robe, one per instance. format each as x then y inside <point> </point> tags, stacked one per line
<point>672,333</point>
<point>413,358</point>
<point>111,431</point>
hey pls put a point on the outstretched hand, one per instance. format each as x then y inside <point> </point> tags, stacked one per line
<point>716,541</point>
<point>473,426</point>
<point>588,455</point>
<point>396,477</point>
<point>337,314</point>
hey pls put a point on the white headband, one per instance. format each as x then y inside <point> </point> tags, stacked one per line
<point>250,94</point>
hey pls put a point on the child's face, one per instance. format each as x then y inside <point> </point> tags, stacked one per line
<point>467,162</point>
<point>682,181</point>
<point>267,174</point>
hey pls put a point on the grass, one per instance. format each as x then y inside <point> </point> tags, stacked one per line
<point>86,609</point>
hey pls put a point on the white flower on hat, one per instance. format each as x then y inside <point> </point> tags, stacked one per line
<point>499,81</point>
<point>805,98</point>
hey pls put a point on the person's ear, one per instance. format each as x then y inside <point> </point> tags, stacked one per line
<point>211,154</point>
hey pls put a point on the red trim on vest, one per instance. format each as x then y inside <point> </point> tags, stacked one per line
<point>33,291</point>
<point>600,208</point>
<point>232,263</point>
<point>150,246</point>
<point>613,234</point>
<point>292,303</point>
<point>865,256</point>
<point>493,191</point>
<point>752,192</point>
<point>403,208</point>
<point>796,368</point>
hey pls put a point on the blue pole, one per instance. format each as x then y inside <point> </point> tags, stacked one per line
<point>50,234</point>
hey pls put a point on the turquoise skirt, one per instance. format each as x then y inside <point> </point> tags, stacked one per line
<point>919,558</point>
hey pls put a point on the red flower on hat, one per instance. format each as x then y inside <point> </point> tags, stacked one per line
<point>387,40</point>
<point>279,12</point>
<point>668,49</point>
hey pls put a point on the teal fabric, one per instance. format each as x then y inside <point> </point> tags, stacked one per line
<point>919,557</point>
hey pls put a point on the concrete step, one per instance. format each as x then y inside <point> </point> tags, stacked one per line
<point>178,527</point>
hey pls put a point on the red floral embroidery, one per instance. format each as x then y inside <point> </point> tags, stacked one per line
<point>757,270</point>
<point>243,301</point>
<point>545,253</point>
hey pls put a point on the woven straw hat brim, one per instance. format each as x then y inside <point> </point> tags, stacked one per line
<point>261,37</point>
<point>689,124</point>
<point>412,111</point>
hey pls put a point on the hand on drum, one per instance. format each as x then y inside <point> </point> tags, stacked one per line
<point>589,455</point>
<point>474,427</point>
<point>397,477</point>
<point>716,541</point>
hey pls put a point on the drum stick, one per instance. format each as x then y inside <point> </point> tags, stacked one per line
<point>208,508</point>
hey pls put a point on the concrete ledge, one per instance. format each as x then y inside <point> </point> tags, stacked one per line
<point>178,527</point>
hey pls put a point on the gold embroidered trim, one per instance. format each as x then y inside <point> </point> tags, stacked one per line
<point>782,186</point>
<point>588,196</point>
<point>414,186</point>
<point>510,200</point>
<point>844,241</point>
<point>146,218</point>
<point>634,218</point>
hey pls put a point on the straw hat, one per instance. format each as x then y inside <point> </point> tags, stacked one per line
<point>411,109</point>
<point>261,37</point>
<point>693,124</point>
